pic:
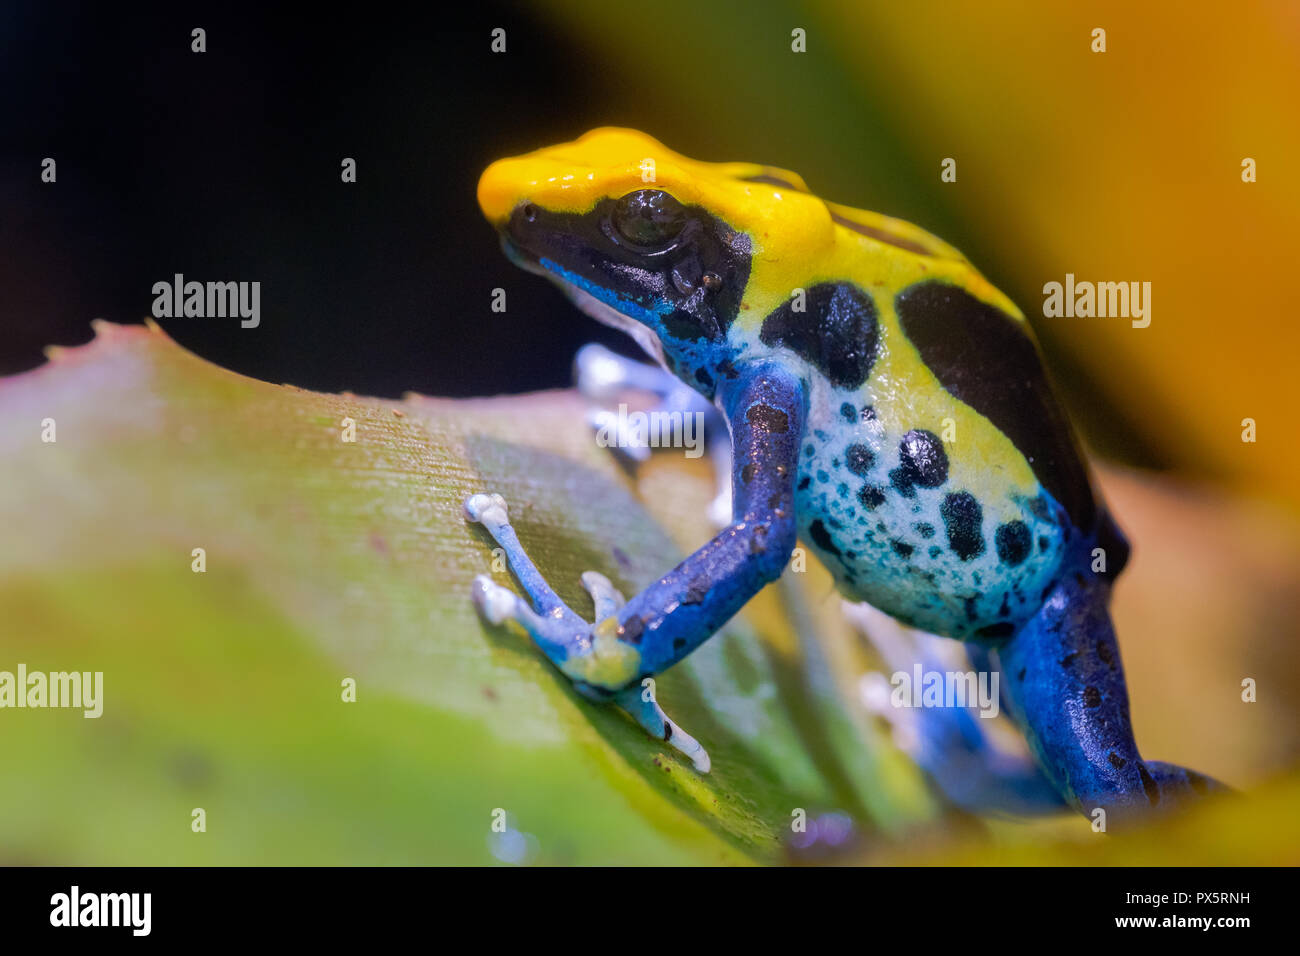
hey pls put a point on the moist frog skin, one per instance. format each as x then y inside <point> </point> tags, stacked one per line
<point>887,406</point>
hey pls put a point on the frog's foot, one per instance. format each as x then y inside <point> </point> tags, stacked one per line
<point>640,703</point>
<point>606,598</point>
<point>616,433</point>
<point>601,375</point>
<point>960,748</point>
<point>556,629</point>
<point>599,663</point>
<point>639,700</point>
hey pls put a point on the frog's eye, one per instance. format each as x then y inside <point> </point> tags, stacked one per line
<point>649,217</point>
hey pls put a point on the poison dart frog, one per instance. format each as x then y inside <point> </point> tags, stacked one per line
<point>887,406</point>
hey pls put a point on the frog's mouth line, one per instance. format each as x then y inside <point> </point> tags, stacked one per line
<point>601,311</point>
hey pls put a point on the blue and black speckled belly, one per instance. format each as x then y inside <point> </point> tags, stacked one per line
<point>896,532</point>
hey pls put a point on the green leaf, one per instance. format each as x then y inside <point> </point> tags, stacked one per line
<point>327,560</point>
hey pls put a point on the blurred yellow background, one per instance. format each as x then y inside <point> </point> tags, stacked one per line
<point>1117,166</point>
<point>332,562</point>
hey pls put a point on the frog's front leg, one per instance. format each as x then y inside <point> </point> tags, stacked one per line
<point>559,632</point>
<point>674,615</point>
<point>601,374</point>
<point>1067,689</point>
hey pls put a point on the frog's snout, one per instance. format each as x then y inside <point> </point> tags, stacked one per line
<point>499,191</point>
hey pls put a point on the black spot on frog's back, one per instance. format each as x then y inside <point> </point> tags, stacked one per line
<point>771,179</point>
<point>871,497</point>
<point>1013,542</point>
<point>859,459</point>
<point>962,517</point>
<point>883,235</point>
<point>837,332</point>
<point>901,548</point>
<point>922,461</point>
<point>822,538</point>
<point>982,357</point>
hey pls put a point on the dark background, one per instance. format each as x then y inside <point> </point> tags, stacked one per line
<point>225,166</point>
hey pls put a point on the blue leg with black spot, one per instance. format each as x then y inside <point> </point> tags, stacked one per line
<point>665,622</point>
<point>1066,686</point>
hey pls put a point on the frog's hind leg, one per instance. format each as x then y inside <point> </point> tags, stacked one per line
<point>561,634</point>
<point>1066,685</point>
<point>954,745</point>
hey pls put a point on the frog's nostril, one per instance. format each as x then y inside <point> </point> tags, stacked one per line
<point>529,212</point>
